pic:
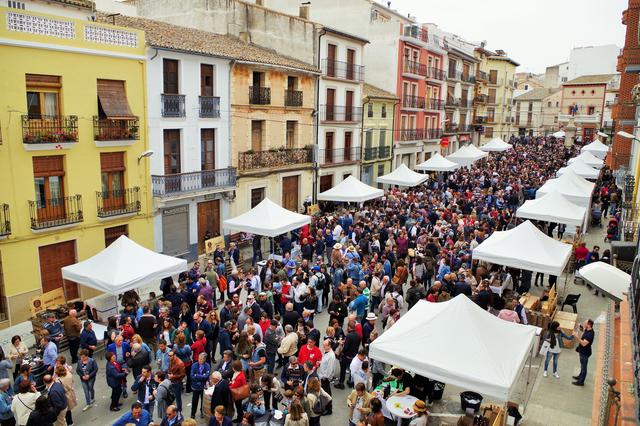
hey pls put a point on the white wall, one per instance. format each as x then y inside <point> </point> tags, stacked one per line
<point>115,6</point>
<point>54,9</point>
<point>593,60</point>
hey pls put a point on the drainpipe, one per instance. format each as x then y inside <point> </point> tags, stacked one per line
<point>393,130</point>
<point>362,145</point>
<point>232,64</point>
<point>314,192</point>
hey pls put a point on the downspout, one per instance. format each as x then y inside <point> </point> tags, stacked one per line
<point>314,192</point>
<point>362,140</point>
<point>393,130</point>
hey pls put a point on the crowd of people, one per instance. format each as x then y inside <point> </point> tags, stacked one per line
<point>255,336</point>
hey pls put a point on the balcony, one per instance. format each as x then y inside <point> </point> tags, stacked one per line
<point>108,129</point>
<point>209,106</point>
<point>5,220</point>
<point>451,128</point>
<point>493,81</point>
<point>454,74</point>
<point>482,76</point>
<point>413,67</point>
<point>433,133</point>
<point>49,129</point>
<point>453,102</point>
<point>416,102</point>
<point>338,155</point>
<point>377,153</point>
<point>480,119</point>
<point>166,186</point>
<point>293,98</point>
<point>343,70</point>
<point>274,158</point>
<point>405,135</point>
<point>491,119</point>
<point>468,78</point>
<point>465,128</point>
<point>340,113</point>
<point>416,32</point>
<point>492,101</point>
<point>259,95</point>
<point>481,99</point>
<point>435,104</point>
<point>118,202</point>
<point>580,118</point>
<point>54,212</point>
<point>172,105</point>
<point>466,103</point>
<point>436,74</point>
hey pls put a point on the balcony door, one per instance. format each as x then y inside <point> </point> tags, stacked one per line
<point>348,114</point>
<point>328,147</point>
<point>207,149</point>
<point>43,105</point>
<point>48,173</point>
<point>290,189</point>
<point>206,80</point>
<point>351,60</point>
<point>112,168</point>
<point>170,76</point>
<point>172,159</point>
<point>331,60</point>
<point>256,135</point>
<point>330,106</point>
<point>348,136</point>
<point>52,259</point>
<point>208,221</point>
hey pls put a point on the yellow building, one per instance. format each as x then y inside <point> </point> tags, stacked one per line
<point>73,166</point>
<point>494,94</point>
<point>272,131</point>
<point>377,132</point>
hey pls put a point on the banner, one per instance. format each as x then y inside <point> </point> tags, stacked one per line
<point>52,298</point>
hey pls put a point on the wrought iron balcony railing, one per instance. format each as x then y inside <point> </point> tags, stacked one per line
<point>259,95</point>
<point>435,104</point>
<point>338,155</point>
<point>293,98</point>
<point>108,129</point>
<point>49,129</point>
<point>281,157</point>
<point>343,70</point>
<point>53,212</point>
<point>187,183</point>
<point>5,220</point>
<point>417,102</point>
<point>436,74</point>
<point>376,153</point>
<point>173,105</point>
<point>118,202</point>
<point>340,113</point>
<point>209,106</point>
<point>414,67</point>
<point>404,135</point>
<point>433,133</point>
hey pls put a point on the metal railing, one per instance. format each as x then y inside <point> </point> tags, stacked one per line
<point>416,32</point>
<point>434,133</point>
<point>436,74</point>
<point>173,105</point>
<point>107,129</point>
<point>606,372</point>
<point>410,134</point>
<point>465,128</point>
<point>293,98</point>
<point>281,157</point>
<point>480,119</point>
<point>451,127</point>
<point>259,95</point>
<point>209,106</point>
<point>454,74</point>
<point>493,80</point>
<point>5,220</point>
<point>634,306</point>
<point>343,70</point>
<point>49,129</point>
<point>340,113</point>
<point>409,101</point>
<point>482,76</point>
<point>453,102</point>
<point>118,202</point>
<point>481,98</point>
<point>49,213</point>
<point>436,104</point>
<point>339,155</point>
<point>181,183</point>
<point>466,103</point>
<point>376,153</point>
<point>413,67</point>
<point>468,78</point>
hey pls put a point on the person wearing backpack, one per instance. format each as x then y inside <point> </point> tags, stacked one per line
<point>318,281</point>
<point>163,393</point>
<point>318,400</point>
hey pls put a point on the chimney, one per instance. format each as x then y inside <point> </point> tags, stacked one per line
<point>260,2</point>
<point>304,11</point>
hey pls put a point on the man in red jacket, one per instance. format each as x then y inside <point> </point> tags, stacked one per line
<point>310,352</point>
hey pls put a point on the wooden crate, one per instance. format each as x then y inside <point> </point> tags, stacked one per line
<point>568,327</point>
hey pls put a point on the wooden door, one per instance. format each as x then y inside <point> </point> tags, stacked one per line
<point>326,182</point>
<point>52,258</point>
<point>493,76</point>
<point>256,136</point>
<point>112,169</point>
<point>48,175</point>
<point>465,71</point>
<point>348,113</point>
<point>331,60</point>
<point>347,146</point>
<point>172,160</point>
<point>170,76</point>
<point>206,80</point>
<point>207,149</point>
<point>351,60</point>
<point>328,147</point>
<point>290,193</point>
<point>330,106</point>
<point>208,220</point>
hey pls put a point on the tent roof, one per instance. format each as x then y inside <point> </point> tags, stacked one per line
<point>434,340</point>
<point>589,159</point>
<point>577,189</point>
<point>581,169</point>
<point>597,148</point>
<point>467,155</point>
<point>124,265</point>
<point>437,163</point>
<point>268,219</point>
<point>553,207</point>
<point>607,278</point>
<point>524,247</point>
<point>403,176</point>
<point>496,144</point>
<point>559,134</point>
<point>351,189</point>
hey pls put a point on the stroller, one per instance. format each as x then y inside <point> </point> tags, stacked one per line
<point>596,217</point>
<point>612,230</point>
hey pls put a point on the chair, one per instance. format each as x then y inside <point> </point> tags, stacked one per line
<point>571,300</point>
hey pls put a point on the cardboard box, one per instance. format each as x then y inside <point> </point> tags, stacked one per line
<point>465,421</point>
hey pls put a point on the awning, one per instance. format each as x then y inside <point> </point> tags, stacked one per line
<point>607,278</point>
<point>268,219</point>
<point>403,176</point>
<point>113,99</point>
<point>351,190</point>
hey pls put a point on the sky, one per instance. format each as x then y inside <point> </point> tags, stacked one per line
<point>534,33</point>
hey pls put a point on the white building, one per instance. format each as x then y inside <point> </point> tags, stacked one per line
<point>536,111</point>
<point>340,107</point>
<point>555,75</point>
<point>591,60</point>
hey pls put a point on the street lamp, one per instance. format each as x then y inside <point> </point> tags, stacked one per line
<point>626,135</point>
<point>145,154</point>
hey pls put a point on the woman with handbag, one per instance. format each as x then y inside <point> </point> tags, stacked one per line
<point>239,388</point>
<point>552,345</point>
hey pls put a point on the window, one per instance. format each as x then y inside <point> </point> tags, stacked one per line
<point>368,137</point>
<point>530,106</point>
<point>171,151</point>
<point>549,104</point>
<point>488,132</point>
<point>493,76</point>
<point>257,195</point>
<point>258,79</point>
<point>593,92</point>
<point>48,173</point>
<point>351,60</point>
<point>347,146</point>
<point>112,100</point>
<point>292,83</point>
<point>557,104</point>
<point>405,88</point>
<point>582,92</point>
<point>383,112</point>
<point>573,92</point>
<point>369,110</point>
<point>257,134</point>
<point>206,80</point>
<point>463,120</point>
<point>207,149</point>
<point>331,60</point>
<point>112,168</point>
<point>591,110</point>
<point>113,233</point>
<point>170,76</point>
<point>328,147</point>
<point>383,138</point>
<point>43,96</point>
<point>526,87</point>
<point>292,134</point>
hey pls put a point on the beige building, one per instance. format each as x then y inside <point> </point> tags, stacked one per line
<point>536,112</point>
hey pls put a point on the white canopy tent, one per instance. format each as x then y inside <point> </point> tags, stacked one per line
<point>524,247</point>
<point>467,155</point>
<point>434,340</point>
<point>577,189</point>
<point>597,148</point>
<point>496,145</point>
<point>403,176</point>
<point>607,278</point>
<point>581,169</point>
<point>559,134</point>
<point>553,207</point>
<point>351,190</point>
<point>267,219</point>
<point>437,163</point>
<point>589,159</point>
<point>124,265</point>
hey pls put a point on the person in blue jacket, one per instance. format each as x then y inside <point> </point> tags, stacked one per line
<point>199,376</point>
<point>137,416</point>
<point>218,418</point>
<point>87,369</point>
<point>6,396</point>
<point>115,377</point>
